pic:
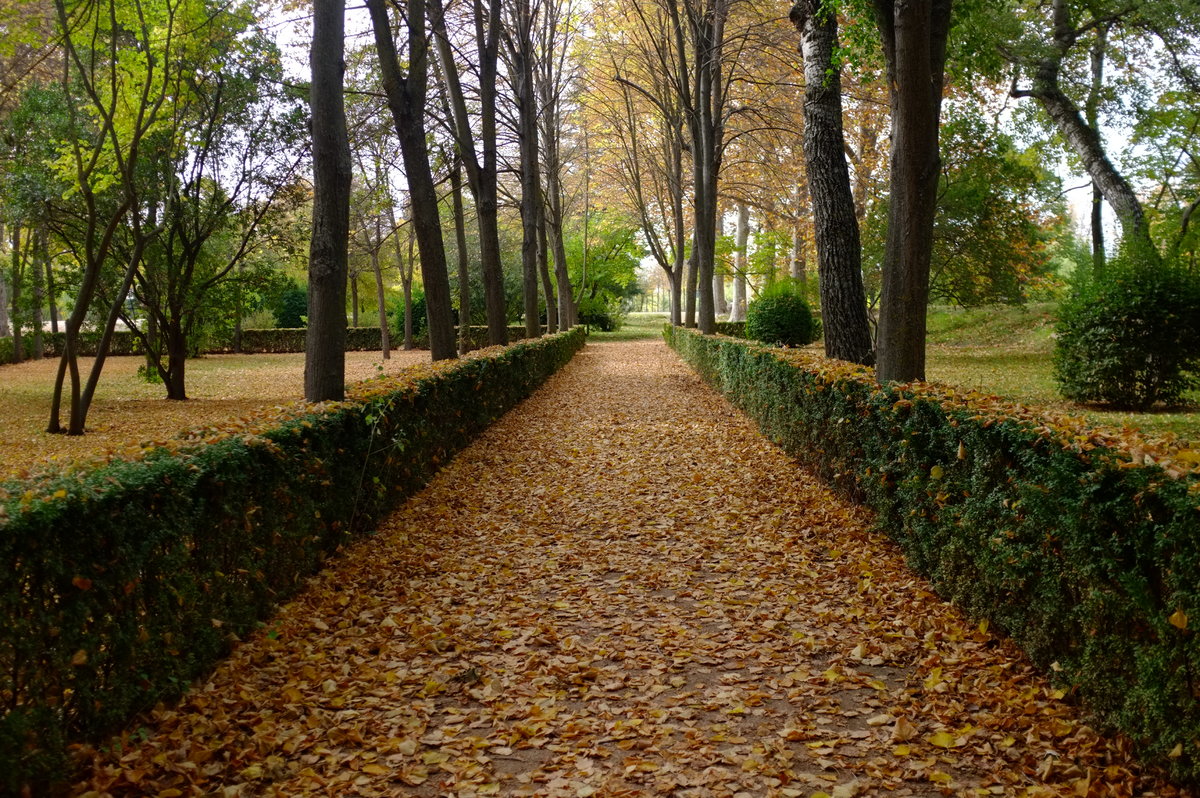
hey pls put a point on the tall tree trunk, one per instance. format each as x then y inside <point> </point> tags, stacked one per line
<point>741,238</point>
<point>464,275</point>
<point>325,347</point>
<point>692,284</point>
<point>521,51</point>
<point>1099,50</point>
<point>16,314</point>
<point>41,257</point>
<point>543,255</point>
<point>914,43</point>
<point>385,339</point>
<point>353,284</point>
<point>51,296</point>
<point>481,172</point>
<point>835,224</point>
<point>406,99</point>
<point>720,304</point>
<point>81,407</point>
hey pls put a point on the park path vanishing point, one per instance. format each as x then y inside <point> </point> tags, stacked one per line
<point>620,589</point>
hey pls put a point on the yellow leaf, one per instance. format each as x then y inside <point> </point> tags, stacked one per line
<point>936,472</point>
<point>901,750</point>
<point>942,740</point>
<point>1177,751</point>
<point>376,770</point>
<point>61,493</point>
<point>80,657</point>
<point>940,777</point>
<point>1178,619</point>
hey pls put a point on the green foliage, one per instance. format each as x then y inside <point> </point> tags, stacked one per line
<point>781,316</point>
<point>998,207</point>
<point>121,584</point>
<point>291,307</point>
<point>1130,337</point>
<point>1088,560</point>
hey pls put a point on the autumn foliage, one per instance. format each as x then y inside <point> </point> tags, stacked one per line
<point>1080,544</point>
<point>121,584</point>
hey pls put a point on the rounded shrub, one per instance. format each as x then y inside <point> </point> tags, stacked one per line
<point>781,317</point>
<point>1130,338</point>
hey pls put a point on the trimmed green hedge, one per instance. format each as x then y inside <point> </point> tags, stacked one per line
<point>1087,559</point>
<point>734,329</point>
<point>119,585</point>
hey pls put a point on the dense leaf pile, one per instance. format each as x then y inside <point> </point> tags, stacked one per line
<point>120,584</point>
<point>620,589</point>
<point>1081,544</point>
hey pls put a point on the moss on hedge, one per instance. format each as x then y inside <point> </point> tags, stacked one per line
<point>1061,536</point>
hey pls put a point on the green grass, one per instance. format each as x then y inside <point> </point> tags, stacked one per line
<point>635,327</point>
<point>1008,351</point>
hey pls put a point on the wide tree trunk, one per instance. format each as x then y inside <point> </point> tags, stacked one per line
<point>176,345</point>
<point>914,43</point>
<point>835,225</point>
<point>325,341</point>
<point>406,99</point>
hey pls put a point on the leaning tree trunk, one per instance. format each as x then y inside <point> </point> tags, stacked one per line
<point>325,341</point>
<point>914,37</point>
<point>835,225</point>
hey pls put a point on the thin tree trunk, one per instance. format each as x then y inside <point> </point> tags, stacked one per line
<point>692,283</point>
<point>1093,119</point>
<point>741,237</point>
<point>464,276</point>
<point>385,341</point>
<point>325,348</point>
<point>15,241</point>
<point>41,257</point>
<point>176,345</point>
<point>521,51</point>
<point>835,224</point>
<point>80,407</point>
<point>51,296</point>
<point>544,270</point>
<point>353,283</point>
<point>720,304</point>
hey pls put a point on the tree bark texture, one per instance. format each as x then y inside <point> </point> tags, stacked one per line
<point>406,100</point>
<point>325,341</point>
<point>914,36</point>
<point>835,224</point>
<point>460,242</point>
<point>520,41</point>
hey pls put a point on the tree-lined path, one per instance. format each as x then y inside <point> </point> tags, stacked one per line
<point>621,589</point>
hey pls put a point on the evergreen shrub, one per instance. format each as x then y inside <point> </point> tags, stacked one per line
<point>780,316</point>
<point>1057,533</point>
<point>121,584</point>
<point>1130,338</point>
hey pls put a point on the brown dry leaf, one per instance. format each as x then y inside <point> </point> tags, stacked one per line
<point>621,589</point>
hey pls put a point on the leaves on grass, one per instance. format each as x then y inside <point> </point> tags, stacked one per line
<point>620,590</point>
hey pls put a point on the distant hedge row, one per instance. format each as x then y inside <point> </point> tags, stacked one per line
<point>358,339</point>
<point>1087,557</point>
<point>119,585</point>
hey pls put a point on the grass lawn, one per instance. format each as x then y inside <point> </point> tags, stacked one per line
<point>1008,351</point>
<point>127,410</point>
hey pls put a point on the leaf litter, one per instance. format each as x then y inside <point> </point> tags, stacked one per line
<point>621,589</point>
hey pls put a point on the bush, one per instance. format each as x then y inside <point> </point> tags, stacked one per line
<point>1130,338</point>
<point>1054,532</point>
<point>780,317</point>
<point>120,584</point>
<point>291,307</point>
<point>604,316</point>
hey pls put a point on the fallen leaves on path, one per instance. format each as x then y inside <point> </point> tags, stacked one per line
<point>621,589</point>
